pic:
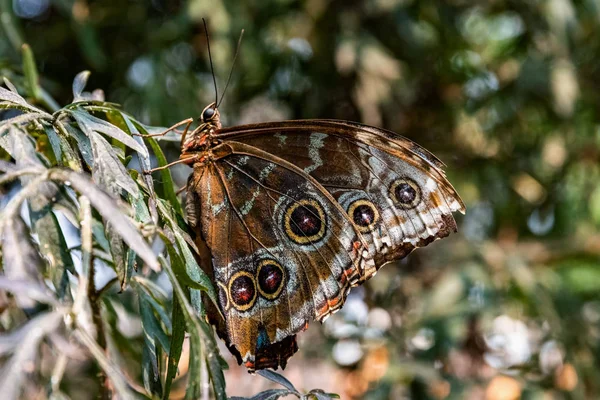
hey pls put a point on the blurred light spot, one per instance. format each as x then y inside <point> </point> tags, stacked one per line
<point>466,60</point>
<point>566,378</point>
<point>140,73</point>
<point>476,295</point>
<point>508,343</point>
<point>345,57</point>
<point>379,319</point>
<point>529,188</point>
<point>481,86</point>
<point>439,389</point>
<point>480,29</point>
<point>503,388</point>
<point>424,34</point>
<point>30,8</point>
<point>471,136</point>
<point>509,70</point>
<point>565,87</point>
<point>591,312</point>
<point>424,339</point>
<point>347,352</point>
<point>376,364</point>
<point>355,309</point>
<point>478,222</point>
<point>551,357</point>
<point>301,47</point>
<point>180,56</point>
<point>540,222</point>
<point>554,152</point>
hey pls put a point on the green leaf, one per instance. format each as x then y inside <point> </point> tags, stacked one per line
<point>319,394</point>
<point>277,378</point>
<point>83,143</point>
<point>271,394</point>
<point>203,330</point>
<point>91,123</point>
<point>108,171</point>
<point>107,207</point>
<point>53,246</point>
<point>20,259</point>
<point>79,84</point>
<point>31,74</point>
<point>167,181</point>
<point>20,146</point>
<point>25,351</point>
<point>16,99</point>
<point>194,384</point>
<point>119,256</point>
<point>176,345</point>
<point>193,276</point>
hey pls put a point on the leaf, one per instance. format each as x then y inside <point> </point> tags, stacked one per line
<point>200,328</point>
<point>176,345</point>
<point>28,288</point>
<point>193,276</point>
<point>20,259</point>
<point>118,382</point>
<point>150,323</point>
<point>271,394</point>
<point>107,207</point>
<point>83,143</point>
<point>63,152</point>
<point>131,126</point>
<point>167,180</point>
<point>79,84</point>
<point>53,246</point>
<point>319,394</point>
<point>10,86</point>
<point>31,74</point>
<point>20,120</point>
<point>277,378</point>
<point>25,351</point>
<point>194,384</point>
<point>20,146</point>
<point>15,98</point>
<point>155,296</point>
<point>95,124</point>
<point>119,257</point>
<point>153,333</point>
<point>108,171</point>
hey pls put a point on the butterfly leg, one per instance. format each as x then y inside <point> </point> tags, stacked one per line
<point>186,122</point>
<point>181,190</point>
<point>188,160</point>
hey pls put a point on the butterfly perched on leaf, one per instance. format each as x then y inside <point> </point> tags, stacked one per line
<point>296,213</point>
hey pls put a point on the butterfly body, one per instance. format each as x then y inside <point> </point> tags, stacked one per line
<point>296,213</point>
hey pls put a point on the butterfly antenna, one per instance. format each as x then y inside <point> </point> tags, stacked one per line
<point>212,69</point>
<point>237,50</point>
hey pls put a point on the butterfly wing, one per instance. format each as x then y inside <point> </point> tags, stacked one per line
<point>295,213</point>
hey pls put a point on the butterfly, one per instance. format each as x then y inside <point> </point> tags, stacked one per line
<point>296,213</point>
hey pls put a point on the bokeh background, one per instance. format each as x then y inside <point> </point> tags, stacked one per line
<point>505,92</point>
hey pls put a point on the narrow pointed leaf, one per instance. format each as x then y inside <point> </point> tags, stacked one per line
<point>109,210</point>
<point>79,84</point>
<point>98,125</point>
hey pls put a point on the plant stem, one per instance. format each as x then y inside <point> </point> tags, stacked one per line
<point>87,283</point>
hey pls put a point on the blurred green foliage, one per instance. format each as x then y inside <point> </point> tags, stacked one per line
<point>505,92</point>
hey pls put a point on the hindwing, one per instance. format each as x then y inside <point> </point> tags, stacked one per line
<point>296,213</point>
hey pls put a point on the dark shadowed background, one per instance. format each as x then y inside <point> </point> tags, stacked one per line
<point>504,92</point>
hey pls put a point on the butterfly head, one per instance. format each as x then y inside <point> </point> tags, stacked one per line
<point>211,116</point>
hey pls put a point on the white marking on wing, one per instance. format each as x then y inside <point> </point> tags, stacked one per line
<point>316,143</point>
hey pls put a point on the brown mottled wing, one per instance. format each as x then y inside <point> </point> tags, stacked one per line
<point>280,246</point>
<point>295,213</point>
